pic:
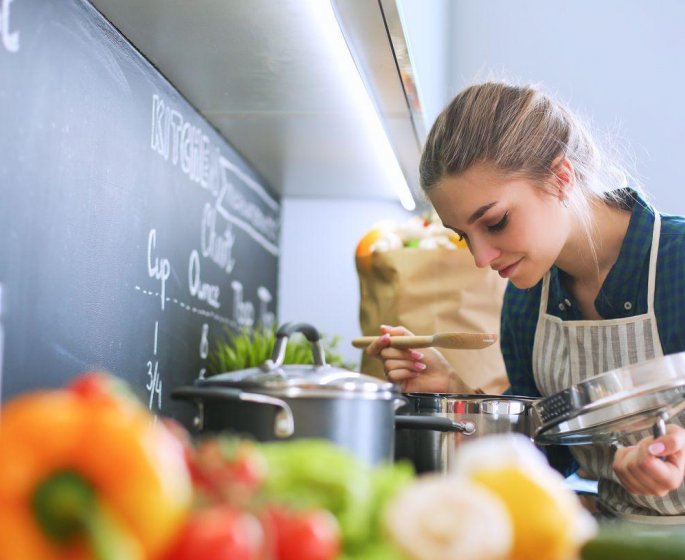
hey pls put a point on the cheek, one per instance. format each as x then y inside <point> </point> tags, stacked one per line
<point>539,239</point>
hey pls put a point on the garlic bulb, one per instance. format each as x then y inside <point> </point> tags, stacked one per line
<point>448,518</point>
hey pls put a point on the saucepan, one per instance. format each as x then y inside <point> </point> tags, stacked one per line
<point>282,402</point>
<point>488,414</point>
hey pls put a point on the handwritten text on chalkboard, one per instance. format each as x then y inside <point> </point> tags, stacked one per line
<point>175,139</point>
<point>10,39</point>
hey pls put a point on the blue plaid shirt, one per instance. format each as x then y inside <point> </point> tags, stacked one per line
<point>623,294</point>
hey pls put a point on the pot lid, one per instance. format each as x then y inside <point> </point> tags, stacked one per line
<point>603,408</point>
<point>300,379</point>
<point>305,380</point>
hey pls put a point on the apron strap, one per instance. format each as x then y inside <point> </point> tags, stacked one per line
<point>544,295</point>
<point>654,252</point>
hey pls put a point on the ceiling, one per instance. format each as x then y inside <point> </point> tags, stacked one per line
<point>265,74</point>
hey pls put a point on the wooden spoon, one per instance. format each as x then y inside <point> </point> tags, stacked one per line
<point>472,341</point>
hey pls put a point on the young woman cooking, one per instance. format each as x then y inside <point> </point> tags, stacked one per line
<point>597,276</point>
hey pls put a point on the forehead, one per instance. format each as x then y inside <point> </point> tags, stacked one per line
<point>457,197</point>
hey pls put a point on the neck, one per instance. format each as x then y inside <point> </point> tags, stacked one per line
<point>588,259</point>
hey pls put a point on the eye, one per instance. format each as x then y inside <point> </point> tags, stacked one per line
<point>499,226</point>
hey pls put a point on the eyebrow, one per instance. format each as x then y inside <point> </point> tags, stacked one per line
<point>478,213</point>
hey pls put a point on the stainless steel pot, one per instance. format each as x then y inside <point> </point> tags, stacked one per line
<point>489,414</point>
<point>277,402</point>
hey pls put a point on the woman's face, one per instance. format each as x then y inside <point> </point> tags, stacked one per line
<point>511,224</point>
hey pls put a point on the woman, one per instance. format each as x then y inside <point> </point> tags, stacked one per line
<point>596,275</point>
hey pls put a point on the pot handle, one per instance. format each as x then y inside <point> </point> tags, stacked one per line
<point>398,402</point>
<point>284,425</point>
<point>283,333</point>
<point>436,423</point>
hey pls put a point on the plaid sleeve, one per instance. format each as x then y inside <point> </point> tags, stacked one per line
<point>517,333</point>
<point>669,297</point>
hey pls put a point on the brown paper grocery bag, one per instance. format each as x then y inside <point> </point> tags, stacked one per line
<point>430,291</point>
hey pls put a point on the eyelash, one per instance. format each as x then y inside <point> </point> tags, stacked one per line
<point>499,226</point>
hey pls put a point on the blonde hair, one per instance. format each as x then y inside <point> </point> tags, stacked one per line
<point>521,131</point>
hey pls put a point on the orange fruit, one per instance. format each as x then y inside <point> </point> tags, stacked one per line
<point>365,243</point>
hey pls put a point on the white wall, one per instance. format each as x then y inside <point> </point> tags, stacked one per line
<point>620,63</point>
<point>318,280</point>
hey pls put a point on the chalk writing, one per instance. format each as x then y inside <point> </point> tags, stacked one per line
<point>185,145</point>
<point>217,247</point>
<point>201,290</point>
<point>204,348</point>
<point>10,39</point>
<point>204,341</point>
<point>243,311</point>
<point>174,137</point>
<point>206,313</point>
<point>155,384</point>
<point>160,269</point>
<point>253,221</point>
<point>266,317</point>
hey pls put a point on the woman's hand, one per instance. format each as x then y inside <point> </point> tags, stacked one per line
<point>641,470</point>
<point>424,371</point>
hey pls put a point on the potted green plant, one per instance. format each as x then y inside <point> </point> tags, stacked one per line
<point>252,347</point>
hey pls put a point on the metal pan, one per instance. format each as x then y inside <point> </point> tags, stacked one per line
<point>620,401</point>
<point>482,415</point>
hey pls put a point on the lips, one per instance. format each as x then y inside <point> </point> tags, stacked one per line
<point>508,271</point>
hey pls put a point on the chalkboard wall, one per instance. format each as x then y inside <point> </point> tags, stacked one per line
<point>131,233</point>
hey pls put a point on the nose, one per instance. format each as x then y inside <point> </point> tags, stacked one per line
<point>483,252</point>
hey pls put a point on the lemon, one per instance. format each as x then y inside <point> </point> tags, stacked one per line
<point>548,520</point>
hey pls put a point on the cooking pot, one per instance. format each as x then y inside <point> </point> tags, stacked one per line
<point>281,402</point>
<point>489,414</point>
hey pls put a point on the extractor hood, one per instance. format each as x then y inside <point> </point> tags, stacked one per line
<point>262,73</point>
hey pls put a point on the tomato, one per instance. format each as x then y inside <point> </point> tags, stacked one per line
<point>102,387</point>
<point>305,535</point>
<point>228,470</point>
<point>219,533</point>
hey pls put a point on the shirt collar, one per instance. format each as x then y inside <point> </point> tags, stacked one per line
<point>620,295</point>
<point>621,289</point>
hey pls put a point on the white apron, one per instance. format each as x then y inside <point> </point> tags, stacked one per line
<point>569,352</point>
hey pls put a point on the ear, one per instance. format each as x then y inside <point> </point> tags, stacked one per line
<point>563,177</point>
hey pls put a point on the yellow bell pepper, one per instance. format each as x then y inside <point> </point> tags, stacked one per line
<point>86,475</point>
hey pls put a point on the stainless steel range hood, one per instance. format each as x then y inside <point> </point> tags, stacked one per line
<point>261,73</point>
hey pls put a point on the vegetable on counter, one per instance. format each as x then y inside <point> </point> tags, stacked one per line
<point>441,517</point>
<point>86,472</point>
<point>309,534</point>
<point>219,532</point>
<point>548,520</point>
<point>616,541</point>
<point>307,474</point>
<point>227,470</point>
